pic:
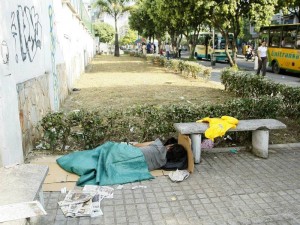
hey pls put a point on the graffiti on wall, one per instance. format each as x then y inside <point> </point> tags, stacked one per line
<point>4,52</point>
<point>27,32</point>
<point>53,63</point>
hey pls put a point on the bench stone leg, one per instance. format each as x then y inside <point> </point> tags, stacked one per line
<point>196,146</point>
<point>41,197</point>
<point>260,143</point>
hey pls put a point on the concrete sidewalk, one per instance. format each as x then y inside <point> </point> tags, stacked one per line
<point>225,188</point>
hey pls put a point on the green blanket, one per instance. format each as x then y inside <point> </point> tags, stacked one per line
<point>107,164</point>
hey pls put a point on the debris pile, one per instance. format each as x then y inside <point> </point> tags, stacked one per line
<point>85,202</point>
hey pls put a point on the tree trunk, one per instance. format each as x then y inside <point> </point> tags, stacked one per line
<point>117,49</point>
<point>226,49</point>
<point>193,43</point>
<point>192,51</point>
<point>178,46</point>
<point>234,50</point>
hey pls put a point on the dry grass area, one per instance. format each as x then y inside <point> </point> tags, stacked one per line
<point>120,82</point>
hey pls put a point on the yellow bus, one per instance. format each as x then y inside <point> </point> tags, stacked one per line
<point>204,48</point>
<point>283,47</point>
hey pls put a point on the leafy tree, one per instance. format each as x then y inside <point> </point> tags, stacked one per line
<point>290,6</point>
<point>114,8</point>
<point>136,18</point>
<point>231,12</point>
<point>179,18</point>
<point>166,14</point>
<point>104,31</point>
<point>160,18</point>
<point>129,37</point>
<point>142,19</point>
<point>245,31</point>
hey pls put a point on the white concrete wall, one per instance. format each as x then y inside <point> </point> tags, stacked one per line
<point>44,48</point>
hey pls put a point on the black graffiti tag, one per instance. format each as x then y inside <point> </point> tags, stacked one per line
<point>27,32</point>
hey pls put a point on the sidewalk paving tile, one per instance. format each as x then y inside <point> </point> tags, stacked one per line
<point>225,188</point>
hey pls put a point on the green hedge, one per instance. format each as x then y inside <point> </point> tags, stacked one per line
<point>257,97</point>
<point>84,130</point>
<point>184,67</point>
<point>247,84</point>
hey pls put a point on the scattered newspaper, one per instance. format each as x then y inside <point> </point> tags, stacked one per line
<point>104,191</point>
<point>76,197</point>
<point>85,202</point>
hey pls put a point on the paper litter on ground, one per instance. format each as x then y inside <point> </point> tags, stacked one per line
<point>179,175</point>
<point>85,202</point>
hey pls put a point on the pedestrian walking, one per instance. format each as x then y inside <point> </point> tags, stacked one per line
<point>167,47</point>
<point>262,58</point>
<point>144,49</point>
<point>149,47</point>
<point>179,51</point>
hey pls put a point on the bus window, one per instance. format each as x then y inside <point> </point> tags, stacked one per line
<point>223,43</point>
<point>289,35</point>
<point>201,40</point>
<point>275,36</point>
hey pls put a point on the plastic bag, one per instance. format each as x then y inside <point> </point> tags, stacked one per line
<point>218,126</point>
<point>179,175</point>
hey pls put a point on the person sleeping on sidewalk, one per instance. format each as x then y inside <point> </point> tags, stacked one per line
<point>119,163</point>
<point>168,156</point>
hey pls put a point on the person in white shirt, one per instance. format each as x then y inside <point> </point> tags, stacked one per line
<point>262,58</point>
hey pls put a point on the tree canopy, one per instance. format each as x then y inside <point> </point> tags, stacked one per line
<point>232,12</point>
<point>129,37</point>
<point>188,17</point>
<point>175,18</point>
<point>290,6</point>
<point>104,31</point>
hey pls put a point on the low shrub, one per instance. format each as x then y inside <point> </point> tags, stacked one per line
<point>184,67</point>
<point>85,130</point>
<point>247,84</point>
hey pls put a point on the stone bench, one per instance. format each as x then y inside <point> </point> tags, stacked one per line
<point>259,127</point>
<point>21,183</point>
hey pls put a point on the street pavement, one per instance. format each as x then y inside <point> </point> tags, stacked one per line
<point>226,188</point>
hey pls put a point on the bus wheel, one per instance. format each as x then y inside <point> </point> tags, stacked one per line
<point>276,68</point>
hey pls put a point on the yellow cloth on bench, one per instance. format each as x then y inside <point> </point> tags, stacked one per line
<point>218,126</point>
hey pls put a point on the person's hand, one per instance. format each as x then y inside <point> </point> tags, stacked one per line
<point>259,58</point>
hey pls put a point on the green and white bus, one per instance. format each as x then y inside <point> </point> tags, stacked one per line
<point>204,49</point>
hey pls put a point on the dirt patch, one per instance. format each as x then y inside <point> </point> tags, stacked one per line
<point>120,82</point>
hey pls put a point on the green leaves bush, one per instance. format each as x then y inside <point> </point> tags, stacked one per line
<point>246,84</point>
<point>85,130</point>
<point>184,67</point>
<point>257,98</point>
